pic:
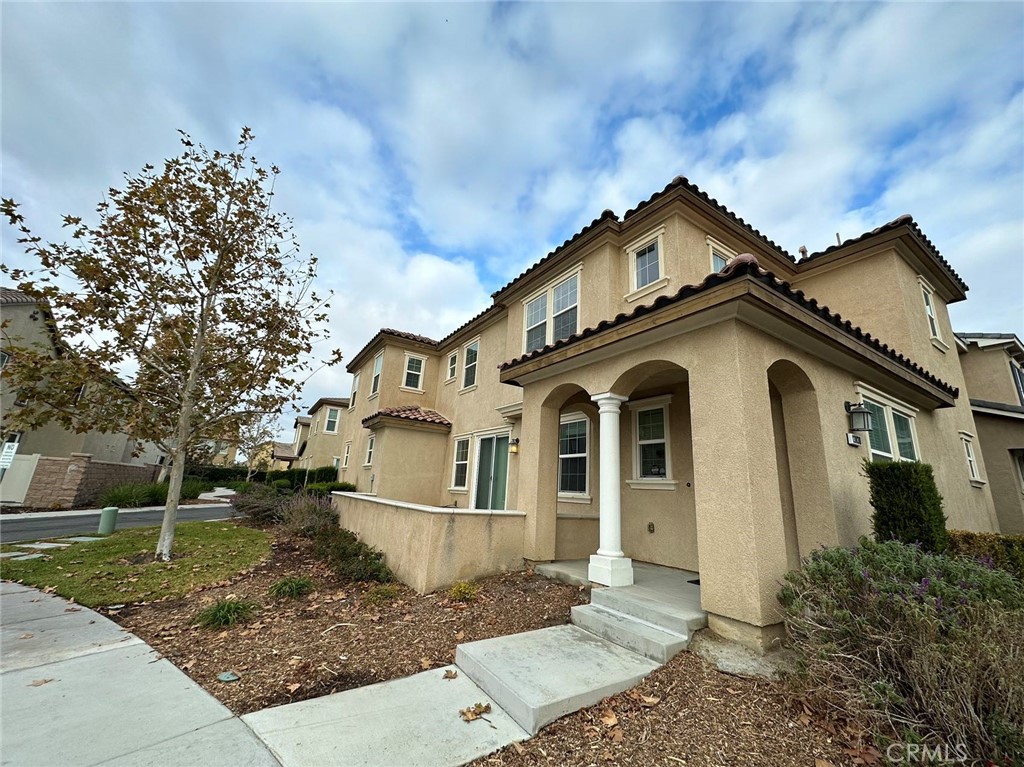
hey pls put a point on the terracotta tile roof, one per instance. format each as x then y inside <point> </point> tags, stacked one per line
<point>10,296</point>
<point>394,334</point>
<point>332,401</point>
<point>410,413</point>
<point>463,326</point>
<point>742,266</point>
<point>904,220</point>
<point>679,182</point>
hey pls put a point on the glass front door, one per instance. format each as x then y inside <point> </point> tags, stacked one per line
<point>492,472</point>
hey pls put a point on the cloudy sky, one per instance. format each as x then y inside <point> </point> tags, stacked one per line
<point>429,152</point>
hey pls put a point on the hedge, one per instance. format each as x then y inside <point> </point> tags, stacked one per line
<point>298,477</point>
<point>907,504</point>
<point>1003,551</point>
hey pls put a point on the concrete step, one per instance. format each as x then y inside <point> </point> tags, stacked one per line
<point>632,633</point>
<point>542,675</point>
<point>627,600</point>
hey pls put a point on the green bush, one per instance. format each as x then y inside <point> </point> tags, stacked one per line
<point>349,557</point>
<point>907,504</point>
<point>307,515</point>
<point>923,648</point>
<point>135,495</point>
<point>261,505</point>
<point>463,591</point>
<point>381,594</point>
<point>1003,551</point>
<point>226,612</point>
<point>192,487</point>
<point>326,488</point>
<point>281,484</point>
<point>291,587</point>
<point>302,477</point>
<point>222,475</point>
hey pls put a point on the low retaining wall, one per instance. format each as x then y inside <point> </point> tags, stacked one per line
<point>62,483</point>
<point>428,547</point>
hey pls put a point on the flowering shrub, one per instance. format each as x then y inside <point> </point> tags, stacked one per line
<point>921,647</point>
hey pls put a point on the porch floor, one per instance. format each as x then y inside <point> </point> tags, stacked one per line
<point>653,585</point>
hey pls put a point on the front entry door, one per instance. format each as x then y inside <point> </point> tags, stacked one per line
<point>492,472</point>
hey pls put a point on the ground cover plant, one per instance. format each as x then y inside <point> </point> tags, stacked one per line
<point>135,495</point>
<point>923,648</point>
<point>226,612</point>
<point>121,569</point>
<point>291,587</point>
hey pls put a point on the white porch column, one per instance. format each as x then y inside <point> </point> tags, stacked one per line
<point>609,566</point>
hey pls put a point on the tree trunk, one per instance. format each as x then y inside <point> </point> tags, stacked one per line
<point>166,543</point>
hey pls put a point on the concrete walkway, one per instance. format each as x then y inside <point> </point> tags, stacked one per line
<point>78,690</point>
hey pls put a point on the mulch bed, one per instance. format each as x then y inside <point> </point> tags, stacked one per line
<point>689,713</point>
<point>332,639</point>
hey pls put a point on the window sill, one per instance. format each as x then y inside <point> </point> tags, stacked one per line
<point>942,346</point>
<point>652,484</point>
<point>979,483</point>
<point>458,490</point>
<point>367,465</point>
<point>467,389</point>
<point>411,390</point>
<point>449,380</point>
<point>646,290</point>
<point>373,396</point>
<point>573,498</point>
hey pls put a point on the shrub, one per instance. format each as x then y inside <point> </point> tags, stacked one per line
<point>282,484</point>
<point>908,507</point>
<point>349,557</point>
<point>291,587</point>
<point>135,495</point>
<point>226,612</point>
<point>326,488</point>
<point>922,647</point>
<point>1004,551</point>
<point>297,477</point>
<point>380,594</point>
<point>463,591</point>
<point>192,487</point>
<point>222,475</point>
<point>307,515</point>
<point>261,505</point>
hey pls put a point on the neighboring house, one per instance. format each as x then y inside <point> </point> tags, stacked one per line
<point>276,455</point>
<point>649,391</point>
<point>28,324</point>
<point>222,452</point>
<point>993,366</point>
<point>291,454</point>
<point>323,446</point>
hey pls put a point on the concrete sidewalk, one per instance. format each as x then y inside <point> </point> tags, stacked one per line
<point>78,690</point>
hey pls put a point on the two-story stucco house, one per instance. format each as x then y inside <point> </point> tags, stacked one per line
<point>993,366</point>
<point>318,440</point>
<point>670,387</point>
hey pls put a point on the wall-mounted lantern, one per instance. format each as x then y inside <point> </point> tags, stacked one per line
<point>860,416</point>
<point>513,445</point>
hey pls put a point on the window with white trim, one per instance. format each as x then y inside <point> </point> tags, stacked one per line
<point>348,452</point>
<point>652,457</point>
<point>1018,461</point>
<point>331,424</point>
<point>453,365</point>
<point>927,295</point>
<point>573,464</point>
<point>336,460</point>
<point>469,360</point>
<point>552,315</point>
<point>967,440</point>
<point>4,359</point>
<point>892,436</point>
<point>460,464</point>
<point>378,364</point>
<point>1018,379</point>
<point>414,372</point>
<point>369,450</point>
<point>355,390</point>
<point>647,265</point>
<point>719,254</point>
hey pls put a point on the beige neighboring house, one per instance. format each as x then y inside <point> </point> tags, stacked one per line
<point>290,454</point>
<point>43,455</point>
<point>222,452</point>
<point>276,455</point>
<point>993,366</point>
<point>323,445</point>
<point>671,387</point>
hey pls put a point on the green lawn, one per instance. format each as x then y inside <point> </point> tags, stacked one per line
<point>120,569</point>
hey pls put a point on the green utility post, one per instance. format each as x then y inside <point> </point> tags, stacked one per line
<point>108,520</point>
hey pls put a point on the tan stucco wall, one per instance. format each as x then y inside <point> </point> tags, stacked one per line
<point>430,548</point>
<point>988,375</point>
<point>999,435</point>
<point>410,460</point>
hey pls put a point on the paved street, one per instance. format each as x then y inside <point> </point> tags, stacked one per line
<point>34,527</point>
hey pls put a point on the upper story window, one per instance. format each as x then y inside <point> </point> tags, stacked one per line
<point>553,314</point>
<point>1018,461</point>
<point>646,264</point>
<point>927,295</point>
<point>892,436</point>
<point>573,435</point>
<point>355,390</point>
<point>469,360</point>
<point>378,364</point>
<point>369,449</point>
<point>967,440</point>
<point>414,372</point>
<point>331,424</point>
<point>453,365</point>
<point>1018,379</point>
<point>345,457</point>
<point>719,254</point>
